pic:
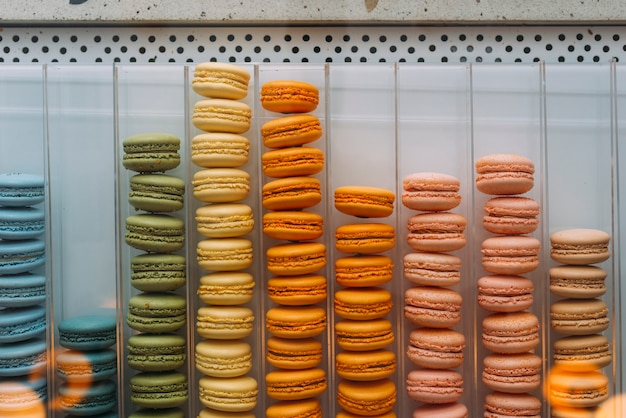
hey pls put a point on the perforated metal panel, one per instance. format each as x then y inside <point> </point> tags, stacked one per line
<point>313,44</point>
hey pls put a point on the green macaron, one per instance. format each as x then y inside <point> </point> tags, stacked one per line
<point>156,192</point>
<point>158,272</point>
<point>156,312</point>
<point>156,352</point>
<point>159,233</point>
<point>159,389</point>
<point>151,152</point>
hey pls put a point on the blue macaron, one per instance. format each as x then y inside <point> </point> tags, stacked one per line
<point>87,399</point>
<point>23,358</point>
<point>19,324</point>
<point>21,189</point>
<point>23,396</point>
<point>21,222</point>
<point>86,366</point>
<point>88,332</point>
<point>17,290</point>
<point>21,256</point>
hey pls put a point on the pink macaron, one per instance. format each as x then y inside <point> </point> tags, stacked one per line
<point>510,215</point>
<point>432,269</point>
<point>510,254</point>
<point>505,293</point>
<point>434,386</point>
<point>510,332</point>
<point>447,410</point>
<point>436,231</point>
<point>436,348</point>
<point>428,191</point>
<point>512,373</point>
<point>504,174</point>
<point>434,307</point>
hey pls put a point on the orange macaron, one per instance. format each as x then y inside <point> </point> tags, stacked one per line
<point>296,225</point>
<point>296,321</point>
<point>297,258</point>
<point>289,96</point>
<point>362,303</point>
<point>292,162</point>
<point>291,131</point>
<point>364,201</point>
<point>365,238</point>
<point>364,335</point>
<point>291,193</point>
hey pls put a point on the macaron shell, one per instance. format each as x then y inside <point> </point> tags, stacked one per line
<point>291,131</point>
<point>220,80</point>
<point>221,115</point>
<point>292,161</point>
<point>219,150</point>
<point>289,96</point>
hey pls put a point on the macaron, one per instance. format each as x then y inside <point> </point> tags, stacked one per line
<point>159,390</point>
<point>156,192</point>
<point>293,225</point>
<point>505,293</point>
<point>289,96</point>
<point>291,193</point>
<point>365,238</point>
<point>23,358</point>
<point>159,233</point>
<point>510,332</point>
<point>345,414</point>
<point>228,394</point>
<point>436,231</point>
<point>221,115</point>
<point>362,303</point>
<point>364,335</point>
<point>431,191</point>
<point>156,352</point>
<point>88,332</point>
<point>157,413</point>
<point>224,220</point>
<point>295,321</point>
<point>364,201</point>
<point>372,398</point>
<point>224,322</point>
<point>156,312</point>
<point>87,399</point>
<point>212,413</point>
<point>433,307</point>
<point>21,256</point>
<point>579,316</point>
<point>25,289</point>
<point>512,373</point>
<point>291,131</point>
<point>577,389</point>
<point>436,348</point>
<point>302,408</point>
<point>365,365</point>
<point>605,410</point>
<point>581,353</point>
<point>306,289</point>
<point>223,358</point>
<point>504,174</point>
<point>21,189</point>
<point>577,281</point>
<point>220,80</point>
<point>221,185</point>
<point>363,270</point>
<point>151,152</point>
<point>85,367</point>
<point>512,404</point>
<point>21,222</point>
<point>510,254</point>
<point>289,385</point>
<point>446,410</point>
<point>293,259</point>
<point>224,254</point>
<point>19,324</point>
<point>292,161</point>
<point>432,268</point>
<point>226,288</point>
<point>157,272</point>
<point>24,396</point>
<point>580,246</point>
<point>509,215</point>
<point>219,150</point>
<point>294,354</point>
<point>434,386</point>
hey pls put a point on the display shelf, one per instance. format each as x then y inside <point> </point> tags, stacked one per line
<point>381,121</point>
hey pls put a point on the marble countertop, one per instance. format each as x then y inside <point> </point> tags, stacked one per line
<point>299,12</point>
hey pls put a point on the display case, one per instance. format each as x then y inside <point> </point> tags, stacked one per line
<point>381,122</point>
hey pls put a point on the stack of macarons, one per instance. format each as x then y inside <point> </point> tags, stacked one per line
<point>87,366</point>
<point>362,302</point>
<point>432,304</point>
<point>224,222</point>
<point>296,317</point>
<point>158,308</point>
<point>577,384</point>
<point>510,330</point>
<point>22,294</point>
